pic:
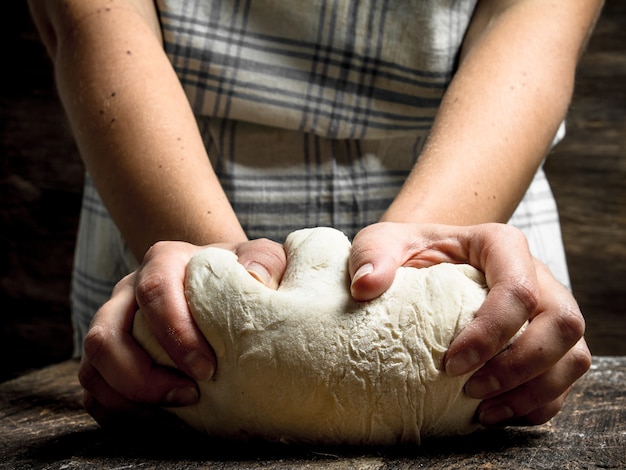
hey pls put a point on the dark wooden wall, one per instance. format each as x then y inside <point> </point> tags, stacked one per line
<point>40,190</point>
<point>588,175</point>
<point>41,178</point>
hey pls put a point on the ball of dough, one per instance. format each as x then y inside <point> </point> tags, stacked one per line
<point>307,363</point>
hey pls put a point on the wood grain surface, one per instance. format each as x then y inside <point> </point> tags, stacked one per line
<point>41,180</point>
<point>42,425</point>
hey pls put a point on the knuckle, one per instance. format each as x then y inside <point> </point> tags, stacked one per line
<point>486,331</point>
<point>494,336</point>
<point>500,231</point>
<point>269,251</point>
<point>86,377</point>
<point>150,289</point>
<point>533,399</point>
<point>489,336</point>
<point>89,402</point>
<point>139,394</point>
<point>367,240</point>
<point>571,323</point>
<point>163,250</point>
<point>529,401</point>
<point>94,343</point>
<point>156,250</point>
<point>95,409</point>
<point>543,414</point>
<point>126,280</point>
<point>95,347</point>
<point>145,390</point>
<point>361,248</point>
<point>262,241</point>
<point>525,292</point>
<point>581,360</point>
<point>520,371</point>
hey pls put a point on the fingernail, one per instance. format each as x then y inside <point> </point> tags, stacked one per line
<point>463,362</point>
<point>482,387</point>
<point>496,414</point>
<point>364,270</point>
<point>182,396</point>
<point>258,272</point>
<point>200,366</point>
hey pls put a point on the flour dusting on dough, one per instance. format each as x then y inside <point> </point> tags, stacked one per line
<point>307,363</point>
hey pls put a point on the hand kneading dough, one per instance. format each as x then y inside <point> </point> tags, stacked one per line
<point>306,363</point>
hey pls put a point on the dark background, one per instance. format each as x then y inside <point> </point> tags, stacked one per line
<point>41,179</point>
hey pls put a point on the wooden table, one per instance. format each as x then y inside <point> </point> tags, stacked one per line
<point>42,425</point>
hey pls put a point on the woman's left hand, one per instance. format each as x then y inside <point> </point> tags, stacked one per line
<point>527,382</point>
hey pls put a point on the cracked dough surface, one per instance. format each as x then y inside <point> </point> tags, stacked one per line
<point>306,363</point>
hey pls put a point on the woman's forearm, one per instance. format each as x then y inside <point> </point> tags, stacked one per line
<point>133,124</point>
<point>500,113</point>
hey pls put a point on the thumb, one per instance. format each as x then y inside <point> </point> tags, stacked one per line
<point>374,259</point>
<point>264,259</point>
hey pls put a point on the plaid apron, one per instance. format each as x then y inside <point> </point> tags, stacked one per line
<point>313,112</point>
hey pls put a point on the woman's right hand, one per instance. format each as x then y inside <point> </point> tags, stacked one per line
<point>118,376</point>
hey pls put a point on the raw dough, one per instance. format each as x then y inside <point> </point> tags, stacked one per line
<point>306,363</point>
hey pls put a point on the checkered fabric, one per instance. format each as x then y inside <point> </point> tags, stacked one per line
<point>313,112</point>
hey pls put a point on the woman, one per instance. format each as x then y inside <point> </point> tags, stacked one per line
<point>373,117</point>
